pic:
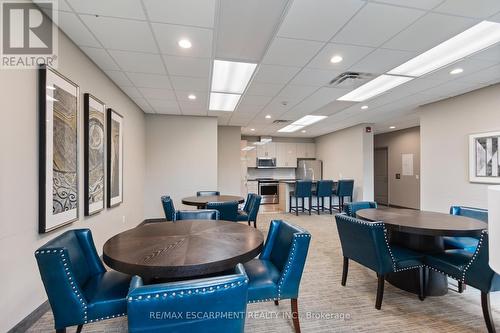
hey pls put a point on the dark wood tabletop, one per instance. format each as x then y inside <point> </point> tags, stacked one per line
<point>184,249</point>
<point>203,200</point>
<point>424,223</point>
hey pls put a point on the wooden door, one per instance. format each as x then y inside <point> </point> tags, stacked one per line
<point>381,176</point>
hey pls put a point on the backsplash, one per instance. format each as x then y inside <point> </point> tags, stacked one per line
<point>278,173</point>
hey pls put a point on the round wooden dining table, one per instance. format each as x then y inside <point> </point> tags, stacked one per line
<point>423,232</point>
<point>202,201</point>
<point>182,250</point>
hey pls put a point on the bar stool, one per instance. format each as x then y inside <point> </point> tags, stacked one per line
<point>324,189</point>
<point>344,189</point>
<point>303,189</point>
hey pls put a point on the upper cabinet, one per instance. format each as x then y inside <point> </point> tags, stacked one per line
<point>251,157</point>
<point>306,150</point>
<point>286,155</point>
<point>267,150</point>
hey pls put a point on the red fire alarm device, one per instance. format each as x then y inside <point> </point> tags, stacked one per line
<point>368,129</point>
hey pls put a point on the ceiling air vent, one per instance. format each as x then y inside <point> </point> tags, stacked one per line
<point>280,121</point>
<point>351,79</point>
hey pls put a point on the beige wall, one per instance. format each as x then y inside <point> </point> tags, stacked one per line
<point>444,129</point>
<point>181,158</point>
<point>404,192</point>
<point>348,154</point>
<point>21,287</point>
<point>228,159</point>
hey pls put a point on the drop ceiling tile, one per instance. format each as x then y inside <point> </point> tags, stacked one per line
<point>314,77</point>
<point>334,108</point>
<point>255,100</point>
<point>150,80</point>
<point>121,34</point>
<point>291,52</point>
<point>131,92</point>
<point>294,93</point>
<point>117,8</point>
<point>422,4</point>
<point>157,93</point>
<point>320,98</point>
<point>264,89</point>
<point>275,74</point>
<point>101,58</point>
<point>245,28</point>
<point>183,83</point>
<point>143,104</point>
<point>317,19</point>
<point>369,28</point>
<point>61,5</point>
<point>476,8</point>
<point>491,54</point>
<point>187,66</point>
<point>429,31</point>
<point>194,111</point>
<point>164,106</point>
<point>350,54</point>
<point>76,30</point>
<point>184,12</point>
<point>486,76</point>
<point>382,60</point>
<point>119,78</point>
<point>138,62</point>
<point>469,66</point>
<point>168,36</point>
<point>495,18</point>
<point>201,96</point>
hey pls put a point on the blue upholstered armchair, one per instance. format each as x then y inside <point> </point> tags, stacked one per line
<point>276,274</point>
<point>168,207</point>
<point>215,304</point>
<point>207,193</point>
<point>472,269</point>
<point>201,214</point>
<point>351,208</point>
<point>303,189</point>
<point>466,243</point>
<point>250,210</point>
<point>79,288</point>
<point>228,210</point>
<point>366,243</point>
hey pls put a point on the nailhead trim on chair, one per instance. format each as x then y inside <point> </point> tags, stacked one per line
<point>183,293</point>
<point>474,256</point>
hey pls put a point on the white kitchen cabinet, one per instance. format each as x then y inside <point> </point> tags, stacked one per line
<point>286,155</point>
<point>251,157</point>
<point>267,150</point>
<point>306,150</point>
<point>252,186</point>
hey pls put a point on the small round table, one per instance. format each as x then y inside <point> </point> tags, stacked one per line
<point>423,232</point>
<point>182,250</point>
<point>202,201</point>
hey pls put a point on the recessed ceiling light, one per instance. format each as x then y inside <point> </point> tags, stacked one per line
<point>301,123</point>
<point>268,116</point>
<point>472,40</point>
<point>303,131</point>
<point>336,59</point>
<point>192,96</point>
<point>231,77</point>
<point>290,128</point>
<point>223,102</point>
<point>456,71</point>
<point>374,87</point>
<point>392,127</point>
<point>252,129</point>
<point>185,43</point>
<point>364,107</point>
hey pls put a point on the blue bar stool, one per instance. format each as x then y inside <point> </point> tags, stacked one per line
<point>324,189</point>
<point>303,189</point>
<point>344,189</point>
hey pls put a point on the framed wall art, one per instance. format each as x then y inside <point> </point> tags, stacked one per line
<point>484,162</point>
<point>58,149</point>
<point>94,143</point>
<point>114,187</point>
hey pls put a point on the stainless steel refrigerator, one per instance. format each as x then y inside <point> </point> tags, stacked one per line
<point>309,169</point>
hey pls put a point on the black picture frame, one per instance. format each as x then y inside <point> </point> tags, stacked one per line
<point>114,190</point>
<point>56,213</point>
<point>92,206</point>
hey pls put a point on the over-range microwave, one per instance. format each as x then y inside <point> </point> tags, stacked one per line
<point>266,162</point>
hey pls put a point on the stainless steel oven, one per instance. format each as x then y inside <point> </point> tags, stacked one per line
<point>269,191</point>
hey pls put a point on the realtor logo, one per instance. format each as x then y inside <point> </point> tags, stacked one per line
<point>29,37</point>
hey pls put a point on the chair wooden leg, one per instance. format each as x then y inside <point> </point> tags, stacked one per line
<point>61,330</point>
<point>79,328</point>
<point>290,206</point>
<point>276,302</point>
<point>461,287</point>
<point>295,315</point>
<point>310,205</point>
<point>330,203</point>
<point>421,273</point>
<point>296,206</point>
<point>345,269</point>
<point>485,304</point>
<point>255,223</point>
<point>380,292</point>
